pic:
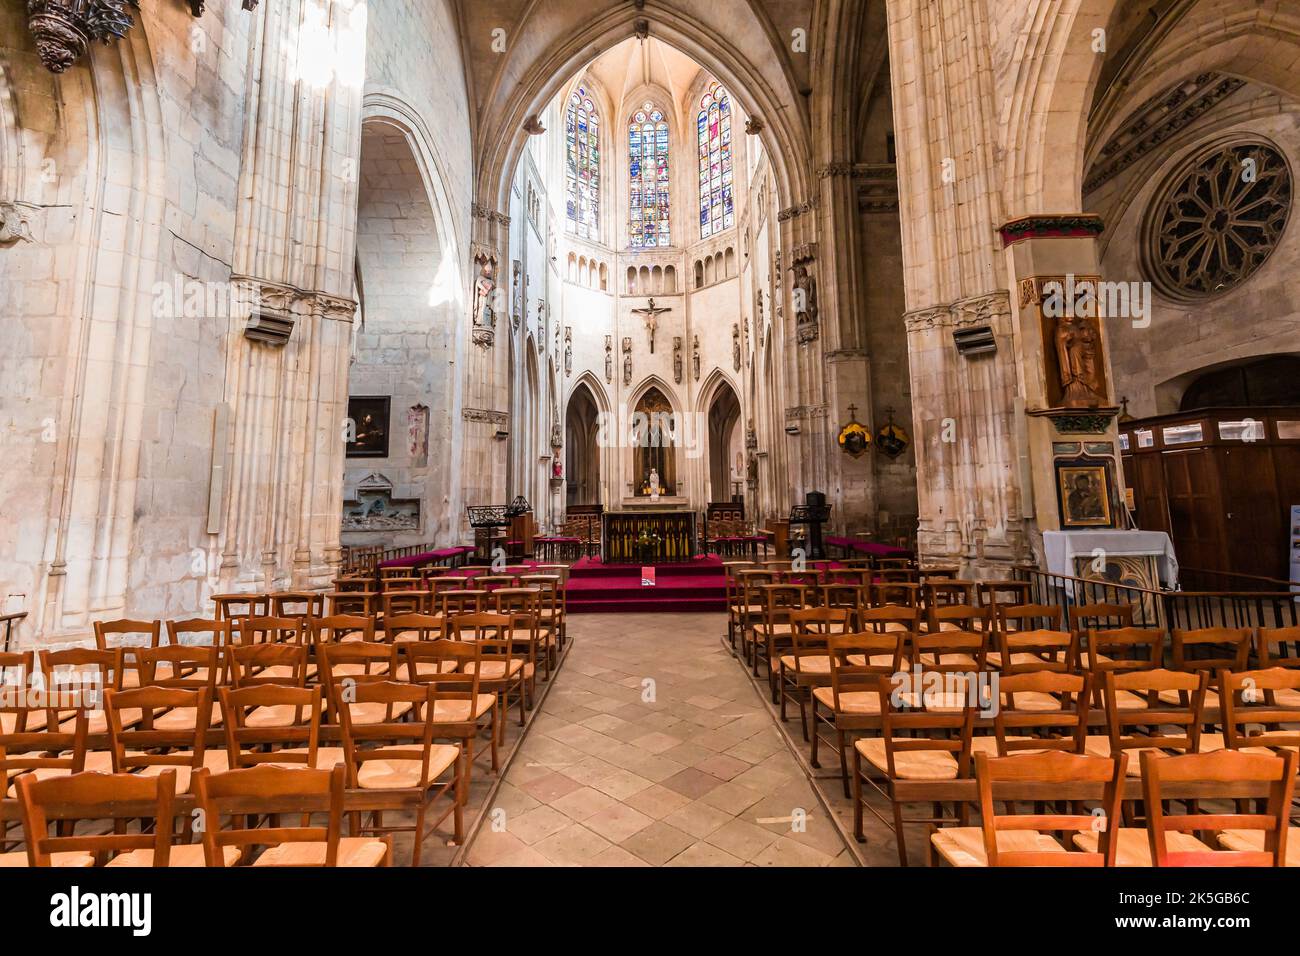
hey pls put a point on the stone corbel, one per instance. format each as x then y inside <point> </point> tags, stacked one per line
<point>15,223</point>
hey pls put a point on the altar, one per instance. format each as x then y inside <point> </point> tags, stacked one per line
<point>645,534</point>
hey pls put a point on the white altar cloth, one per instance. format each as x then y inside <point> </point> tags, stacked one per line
<point>1061,547</point>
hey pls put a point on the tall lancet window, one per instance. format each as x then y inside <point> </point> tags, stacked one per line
<point>582,169</point>
<point>647,146</point>
<point>713,131</point>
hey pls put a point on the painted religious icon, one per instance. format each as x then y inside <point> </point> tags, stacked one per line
<point>1084,496</point>
<point>369,434</point>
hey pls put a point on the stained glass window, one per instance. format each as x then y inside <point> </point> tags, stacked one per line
<point>582,168</point>
<point>647,146</point>
<point>713,132</point>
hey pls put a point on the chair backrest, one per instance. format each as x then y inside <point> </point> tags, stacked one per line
<point>250,663</point>
<point>513,600</point>
<point>778,600</point>
<point>936,716</point>
<point>1158,715</point>
<point>410,601</point>
<point>460,601</point>
<point>1029,617</point>
<point>1024,723</point>
<point>417,627</point>
<point>143,745</point>
<point>96,796</point>
<point>942,593</point>
<point>1278,646</point>
<point>453,665</point>
<point>1228,648</point>
<point>297,604</point>
<point>364,662</point>
<point>297,724</point>
<point>1024,777</point>
<point>331,629</point>
<point>860,660</point>
<point>949,651</point>
<point>964,617</point>
<point>230,606</point>
<point>822,621</point>
<point>1099,617</point>
<point>364,603</point>
<point>1232,769</point>
<point>844,594</point>
<point>199,630</point>
<point>128,635</point>
<point>1248,699</point>
<point>485,625</point>
<point>190,667</point>
<point>395,583</point>
<point>994,593</point>
<point>1125,649</point>
<point>905,593</point>
<point>242,796</point>
<point>408,738</point>
<point>32,708</point>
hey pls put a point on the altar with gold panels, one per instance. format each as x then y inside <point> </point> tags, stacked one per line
<point>648,536</point>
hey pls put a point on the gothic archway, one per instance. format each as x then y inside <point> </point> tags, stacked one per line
<point>654,427</point>
<point>725,442</point>
<point>582,451</point>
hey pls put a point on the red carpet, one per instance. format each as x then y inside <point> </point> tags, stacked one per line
<point>698,585</point>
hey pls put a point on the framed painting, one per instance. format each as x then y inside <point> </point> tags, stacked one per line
<point>369,420</point>
<point>1083,492</point>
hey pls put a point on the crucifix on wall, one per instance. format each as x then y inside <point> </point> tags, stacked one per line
<point>650,314</point>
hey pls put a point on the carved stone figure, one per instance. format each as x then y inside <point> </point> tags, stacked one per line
<point>609,359</point>
<point>735,345</point>
<point>695,357</point>
<point>568,358</point>
<point>1078,347</point>
<point>677,359</point>
<point>484,290</point>
<point>517,300</point>
<point>627,361</point>
<point>805,303</point>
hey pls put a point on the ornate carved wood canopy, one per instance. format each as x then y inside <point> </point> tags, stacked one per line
<point>64,29</point>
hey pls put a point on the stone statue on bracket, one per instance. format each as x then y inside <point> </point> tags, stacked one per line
<point>517,299</point>
<point>735,345</point>
<point>1078,353</point>
<point>695,357</point>
<point>805,303</point>
<point>568,350</point>
<point>609,360</point>
<point>627,361</point>
<point>485,318</point>
<point>677,359</point>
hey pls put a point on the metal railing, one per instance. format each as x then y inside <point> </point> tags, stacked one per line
<point>367,558</point>
<point>1169,609</point>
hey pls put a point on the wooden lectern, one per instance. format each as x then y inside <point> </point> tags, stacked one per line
<point>522,530</point>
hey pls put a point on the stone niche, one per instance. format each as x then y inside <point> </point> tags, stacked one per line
<point>373,508</point>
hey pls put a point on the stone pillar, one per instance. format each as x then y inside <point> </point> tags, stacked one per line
<point>965,417</point>
<point>287,356</point>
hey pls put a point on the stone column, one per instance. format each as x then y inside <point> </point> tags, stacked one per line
<point>965,418</point>
<point>295,228</point>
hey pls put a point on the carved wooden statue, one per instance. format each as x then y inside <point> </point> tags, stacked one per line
<point>1078,353</point>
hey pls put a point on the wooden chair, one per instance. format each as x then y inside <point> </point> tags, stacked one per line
<point>460,601</point>
<point>498,670</point>
<point>397,603</point>
<point>242,796</point>
<point>1038,711</point>
<point>270,630</point>
<point>858,662</point>
<point>345,667</point>
<point>1020,839</point>
<point>771,631</point>
<point>1033,648</point>
<point>550,614</point>
<point>404,628</point>
<point>129,636</point>
<point>340,629</point>
<point>945,593</point>
<point>361,603</point>
<point>96,796</point>
<point>1280,647</point>
<point>523,606</point>
<point>918,767</point>
<point>949,651</point>
<point>198,630</point>
<point>1250,839</point>
<point>1146,727</point>
<point>1253,716</point>
<point>404,763</point>
<point>462,704</point>
<point>145,749</point>
<point>275,724</point>
<point>45,737</point>
<point>1228,649</point>
<point>747,609</point>
<point>960,617</point>
<point>808,663</point>
<point>84,674</point>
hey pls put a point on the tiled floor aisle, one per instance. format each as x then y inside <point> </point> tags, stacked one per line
<point>654,749</point>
